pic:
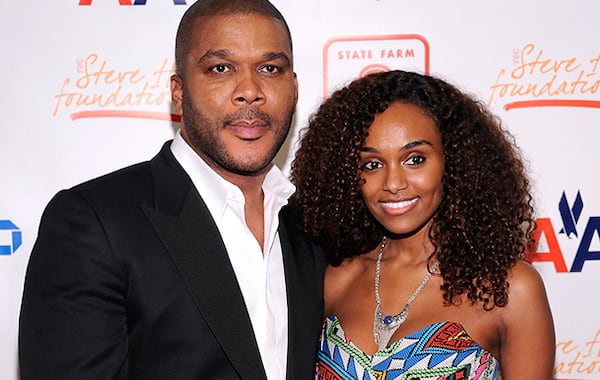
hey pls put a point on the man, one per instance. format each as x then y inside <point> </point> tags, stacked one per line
<point>180,268</point>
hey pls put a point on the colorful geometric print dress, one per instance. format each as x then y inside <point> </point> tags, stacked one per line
<point>441,351</point>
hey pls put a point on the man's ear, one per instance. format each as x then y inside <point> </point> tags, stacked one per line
<point>177,93</point>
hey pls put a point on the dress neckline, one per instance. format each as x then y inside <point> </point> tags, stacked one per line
<point>392,347</point>
<point>438,349</point>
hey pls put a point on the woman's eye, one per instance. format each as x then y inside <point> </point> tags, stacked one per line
<point>415,160</point>
<point>371,165</point>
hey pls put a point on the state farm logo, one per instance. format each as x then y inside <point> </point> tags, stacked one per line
<point>349,58</point>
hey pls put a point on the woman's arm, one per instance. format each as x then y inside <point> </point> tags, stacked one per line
<point>528,342</point>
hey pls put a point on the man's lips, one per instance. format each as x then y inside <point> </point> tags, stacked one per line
<point>248,129</point>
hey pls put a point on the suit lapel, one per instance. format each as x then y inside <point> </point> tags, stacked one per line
<point>192,239</point>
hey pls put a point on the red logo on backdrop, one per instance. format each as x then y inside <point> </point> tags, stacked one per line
<point>348,58</point>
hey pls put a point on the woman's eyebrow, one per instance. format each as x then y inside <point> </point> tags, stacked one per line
<point>410,145</point>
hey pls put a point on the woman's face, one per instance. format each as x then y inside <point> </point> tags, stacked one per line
<point>402,164</point>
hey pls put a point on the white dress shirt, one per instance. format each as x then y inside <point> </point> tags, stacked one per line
<point>259,273</point>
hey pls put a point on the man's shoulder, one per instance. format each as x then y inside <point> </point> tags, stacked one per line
<point>136,174</point>
<point>115,196</point>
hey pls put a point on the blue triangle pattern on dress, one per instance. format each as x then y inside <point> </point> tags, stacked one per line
<point>413,360</point>
<point>423,336</point>
<point>337,356</point>
<point>366,376</point>
<point>352,368</point>
<point>461,355</point>
<point>383,365</point>
<point>437,359</point>
<point>408,351</point>
<point>325,348</point>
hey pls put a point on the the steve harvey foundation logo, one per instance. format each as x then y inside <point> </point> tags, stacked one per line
<point>348,58</point>
<point>539,78</point>
<point>101,88</point>
<point>104,85</point>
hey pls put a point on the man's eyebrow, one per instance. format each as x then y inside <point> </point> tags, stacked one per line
<point>271,56</point>
<point>222,53</point>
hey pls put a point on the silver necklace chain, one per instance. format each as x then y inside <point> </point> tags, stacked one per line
<point>384,326</point>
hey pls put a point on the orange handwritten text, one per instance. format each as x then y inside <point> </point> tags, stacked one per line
<point>99,90</point>
<point>541,81</point>
<point>578,361</point>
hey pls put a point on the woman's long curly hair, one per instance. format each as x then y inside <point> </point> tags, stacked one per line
<point>484,223</point>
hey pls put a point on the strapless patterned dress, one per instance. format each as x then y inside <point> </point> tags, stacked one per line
<point>441,351</point>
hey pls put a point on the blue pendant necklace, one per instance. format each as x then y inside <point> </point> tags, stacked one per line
<point>384,325</point>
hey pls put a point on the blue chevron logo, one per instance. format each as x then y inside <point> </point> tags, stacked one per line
<point>570,214</point>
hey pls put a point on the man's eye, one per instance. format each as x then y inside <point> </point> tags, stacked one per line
<point>221,68</point>
<point>270,69</point>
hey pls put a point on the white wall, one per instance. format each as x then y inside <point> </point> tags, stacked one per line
<point>496,50</point>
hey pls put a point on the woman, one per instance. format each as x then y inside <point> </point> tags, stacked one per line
<point>421,202</point>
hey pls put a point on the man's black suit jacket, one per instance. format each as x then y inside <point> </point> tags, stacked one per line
<point>129,279</point>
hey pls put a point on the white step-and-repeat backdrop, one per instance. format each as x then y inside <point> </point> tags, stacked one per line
<point>85,90</point>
